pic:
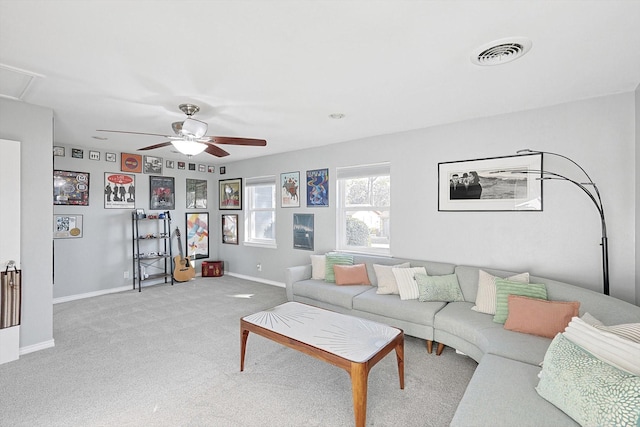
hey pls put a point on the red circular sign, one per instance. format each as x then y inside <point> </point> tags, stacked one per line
<point>131,162</point>
<point>120,179</point>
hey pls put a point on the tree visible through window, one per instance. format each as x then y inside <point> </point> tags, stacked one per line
<point>364,200</point>
<point>260,220</point>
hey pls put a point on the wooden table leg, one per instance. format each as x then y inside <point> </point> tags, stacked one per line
<point>400,358</point>
<point>244,334</point>
<point>359,374</point>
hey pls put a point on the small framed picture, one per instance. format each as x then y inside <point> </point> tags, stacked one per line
<point>192,166</point>
<point>211,169</point>
<point>303,230</point>
<point>67,226</point>
<point>152,164</point>
<point>58,151</point>
<point>230,229</point>
<point>230,193</point>
<point>290,186</point>
<point>94,155</point>
<point>110,157</point>
<point>223,170</point>
<point>77,153</point>
<point>169,164</point>
<point>181,165</point>
<point>202,168</point>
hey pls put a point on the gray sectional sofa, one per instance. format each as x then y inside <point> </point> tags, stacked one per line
<point>502,390</point>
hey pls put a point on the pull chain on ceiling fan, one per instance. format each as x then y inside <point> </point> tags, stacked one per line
<point>190,139</point>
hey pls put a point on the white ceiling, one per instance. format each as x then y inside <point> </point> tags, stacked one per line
<point>277,69</point>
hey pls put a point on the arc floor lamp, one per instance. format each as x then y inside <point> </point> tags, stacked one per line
<point>591,190</point>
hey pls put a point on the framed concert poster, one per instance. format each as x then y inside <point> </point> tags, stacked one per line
<point>197,224</point>
<point>290,186</point>
<point>230,193</point>
<point>317,188</point>
<point>162,193</point>
<point>119,191</point>
<point>70,188</point>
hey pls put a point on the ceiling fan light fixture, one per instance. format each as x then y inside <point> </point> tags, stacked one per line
<point>189,148</point>
<point>194,128</point>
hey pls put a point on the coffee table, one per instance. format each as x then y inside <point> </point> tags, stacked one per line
<point>348,342</point>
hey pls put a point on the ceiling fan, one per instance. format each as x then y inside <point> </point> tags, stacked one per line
<point>190,139</point>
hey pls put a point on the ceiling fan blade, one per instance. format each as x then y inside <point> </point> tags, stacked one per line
<point>132,133</point>
<point>215,151</point>
<point>153,147</point>
<point>237,141</point>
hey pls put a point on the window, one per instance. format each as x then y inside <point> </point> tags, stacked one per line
<point>364,199</point>
<point>260,218</point>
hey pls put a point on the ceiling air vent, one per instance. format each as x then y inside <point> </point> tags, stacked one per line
<point>501,51</point>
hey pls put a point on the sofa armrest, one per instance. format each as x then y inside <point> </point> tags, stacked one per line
<point>296,274</point>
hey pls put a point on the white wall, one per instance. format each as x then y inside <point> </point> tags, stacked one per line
<point>562,242</point>
<point>33,127</point>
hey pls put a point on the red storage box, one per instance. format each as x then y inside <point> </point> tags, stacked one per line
<point>212,268</point>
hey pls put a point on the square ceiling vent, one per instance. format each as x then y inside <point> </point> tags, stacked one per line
<point>14,82</point>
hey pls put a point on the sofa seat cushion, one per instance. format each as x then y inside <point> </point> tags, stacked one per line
<point>330,293</point>
<point>502,393</point>
<point>413,311</point>
<point>479,329</point>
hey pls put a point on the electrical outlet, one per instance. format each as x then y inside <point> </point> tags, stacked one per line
<point>126,274</point>
<point>259,267</point>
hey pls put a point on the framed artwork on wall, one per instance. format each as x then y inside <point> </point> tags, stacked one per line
<point>230,194</point>
<point>152,164</point>
<point>303,231</point>
<point>131,163</point>
<point>119,191</point>
<point>94,155</point>
<point>196,193</point>
<point>77,153</point>
<point>230,229</point>
<point>290,188</point>
<point>110,157</point>
<point>162,193</point>
<point>70,188</point>
<point>67,226</point>
<point>510,183</point>
<point>58,151</point>
<point>317,188</point>
<point>197,224</point>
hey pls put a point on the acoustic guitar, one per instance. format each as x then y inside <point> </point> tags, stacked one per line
<point>183,271</point>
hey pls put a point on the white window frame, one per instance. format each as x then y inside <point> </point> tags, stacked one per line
<point>361,171</point>
<point>250,185</point>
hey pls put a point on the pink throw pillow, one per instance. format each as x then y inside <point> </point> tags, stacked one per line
<point>351,274</point>
<point>539,317</point>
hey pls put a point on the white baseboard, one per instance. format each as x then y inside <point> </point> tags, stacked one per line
<point>256,279</point>
<point>37,347</point>
<point>91,294</point>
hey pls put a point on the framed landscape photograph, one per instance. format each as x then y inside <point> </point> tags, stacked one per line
<point>70,188</point>
<point>197,224</point>
<point>303,231</point>
<point>230,229</point>
<point>230,194</point>
<point>290,187</point>
<point>162,193</point>
<point>119,191</point>
<point>318,187</point>
<point>196,193</point>
<point>511,183</point>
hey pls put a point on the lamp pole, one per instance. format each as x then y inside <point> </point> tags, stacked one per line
<point>591,190</point>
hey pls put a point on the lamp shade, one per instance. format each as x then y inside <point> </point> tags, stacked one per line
<point>190,148</point>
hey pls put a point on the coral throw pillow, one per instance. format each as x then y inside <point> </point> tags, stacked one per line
<point>351,274</point>
<point>539,317</point>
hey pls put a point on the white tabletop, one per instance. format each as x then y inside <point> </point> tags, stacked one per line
<point>346,336</point>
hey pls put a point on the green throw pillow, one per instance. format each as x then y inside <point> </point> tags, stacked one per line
<point>438,288</point>
<point>504,288</point>
<point>589,390</point>
<point>335,259</point>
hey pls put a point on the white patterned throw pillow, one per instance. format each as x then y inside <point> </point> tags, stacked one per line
<point>387,284</point>
<point>486,297</point>
<point>318,266</point>
<point>407,285</point>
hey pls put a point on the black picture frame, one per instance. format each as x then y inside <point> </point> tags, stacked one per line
<point>230,194</point>
<point>303,231</point>
<point>197,235</point>
<point>508,183</point>
<point>162,193</point>
<point>230,229</point>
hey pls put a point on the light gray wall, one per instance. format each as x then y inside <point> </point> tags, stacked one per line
<point>96,262</point>
<point>637,193</point>
<point>562,242</point>
<point>33,127</point>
